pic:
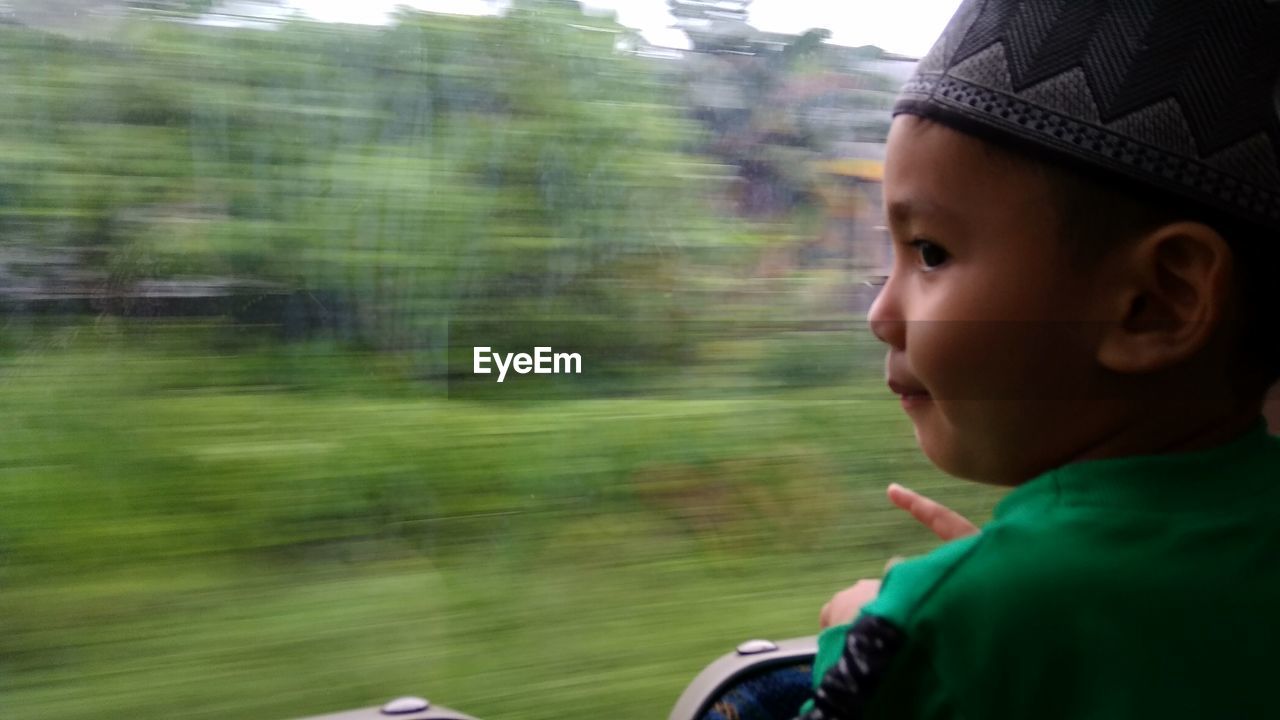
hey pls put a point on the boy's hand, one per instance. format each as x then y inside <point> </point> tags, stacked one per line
<point>942,520</point>
<point>847,603</point>
<point>946,523</point>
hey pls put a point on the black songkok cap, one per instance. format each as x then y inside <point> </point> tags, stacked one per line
<point>1181,96</point>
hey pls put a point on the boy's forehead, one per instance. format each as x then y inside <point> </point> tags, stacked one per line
<point>934,171</point>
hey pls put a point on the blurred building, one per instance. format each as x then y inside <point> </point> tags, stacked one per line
<point>854,234</point>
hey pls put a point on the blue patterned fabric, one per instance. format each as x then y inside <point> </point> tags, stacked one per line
<point>773,695</point>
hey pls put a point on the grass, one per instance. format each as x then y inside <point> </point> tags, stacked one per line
<point>272,534</point>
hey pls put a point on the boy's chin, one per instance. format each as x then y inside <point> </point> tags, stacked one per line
<point>947,456</point>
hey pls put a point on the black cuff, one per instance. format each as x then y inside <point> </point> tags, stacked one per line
<point>870,646</point>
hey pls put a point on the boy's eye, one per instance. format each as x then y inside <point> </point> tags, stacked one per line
<point>930,254</point>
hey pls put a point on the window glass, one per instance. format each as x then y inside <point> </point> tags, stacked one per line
<point>248,251</point>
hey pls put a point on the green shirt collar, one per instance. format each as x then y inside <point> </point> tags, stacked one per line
<point>1229,474</point>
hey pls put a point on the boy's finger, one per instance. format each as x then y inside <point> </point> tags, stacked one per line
<point>943,521</point>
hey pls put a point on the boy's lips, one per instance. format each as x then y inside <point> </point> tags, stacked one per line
<point>906,390</point>
<point>910,395</point>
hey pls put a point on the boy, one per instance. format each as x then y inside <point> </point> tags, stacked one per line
<point>1084,198</point>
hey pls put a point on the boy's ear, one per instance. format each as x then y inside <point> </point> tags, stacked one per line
<point>1169,296</point>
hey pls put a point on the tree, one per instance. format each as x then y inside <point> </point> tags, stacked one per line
<point>437,165</point>
<point>750,90</point>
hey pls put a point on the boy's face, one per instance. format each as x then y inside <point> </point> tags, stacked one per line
<point>982,311</point>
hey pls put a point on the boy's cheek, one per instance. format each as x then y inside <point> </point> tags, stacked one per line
<point>999,361</point>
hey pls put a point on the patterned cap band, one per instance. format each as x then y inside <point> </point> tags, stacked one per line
<point>1182,96</point>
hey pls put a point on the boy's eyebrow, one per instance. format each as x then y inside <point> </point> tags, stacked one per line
<point>902,210</point>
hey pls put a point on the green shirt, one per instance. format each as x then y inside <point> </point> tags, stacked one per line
<point>1133,587</point>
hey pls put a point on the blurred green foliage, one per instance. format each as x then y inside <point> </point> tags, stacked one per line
<point>268,533</point>
<point>436,166</point>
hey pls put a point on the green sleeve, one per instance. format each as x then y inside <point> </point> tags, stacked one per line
<point>909,584</point>
<point>911,689</point>
<point>914,682</point>
<point>830,645</point>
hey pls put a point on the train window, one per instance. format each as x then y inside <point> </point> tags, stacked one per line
<point>507,353</point>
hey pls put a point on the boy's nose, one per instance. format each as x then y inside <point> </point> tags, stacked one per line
<point>885,319</point>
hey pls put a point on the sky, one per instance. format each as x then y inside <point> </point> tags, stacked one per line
<point>907,27</point>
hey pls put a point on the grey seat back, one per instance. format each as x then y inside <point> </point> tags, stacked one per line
<point>750,659</point>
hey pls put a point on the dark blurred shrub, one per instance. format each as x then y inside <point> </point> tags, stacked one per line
<point>808,358</point>
<point>750,503</point>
